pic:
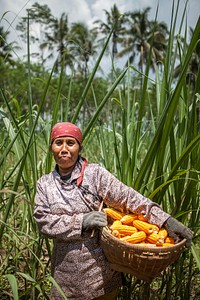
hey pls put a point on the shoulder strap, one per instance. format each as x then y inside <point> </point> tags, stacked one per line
<point>83,165</point>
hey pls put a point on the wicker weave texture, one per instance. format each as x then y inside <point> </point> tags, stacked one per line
<point>142,262</point>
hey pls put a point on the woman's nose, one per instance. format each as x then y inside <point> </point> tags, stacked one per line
<point>64,147</point>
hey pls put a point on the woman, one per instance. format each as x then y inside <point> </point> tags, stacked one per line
<point>66,209</point>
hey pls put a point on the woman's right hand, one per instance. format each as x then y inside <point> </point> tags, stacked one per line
<point>94,219</point>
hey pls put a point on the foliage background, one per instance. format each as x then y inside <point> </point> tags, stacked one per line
<point>146,114</point>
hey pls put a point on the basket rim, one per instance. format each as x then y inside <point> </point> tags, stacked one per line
<point>161,249</point>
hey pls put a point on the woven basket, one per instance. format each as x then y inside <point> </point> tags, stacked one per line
<point>142,262</point>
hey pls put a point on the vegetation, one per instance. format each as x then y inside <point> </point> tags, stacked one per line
<point>150,124</point>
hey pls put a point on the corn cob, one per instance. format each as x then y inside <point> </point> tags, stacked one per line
<point>163,233</point>
<point>167,244</point>
<point>124,229</point>
<point>128,219</point>
<point>170,240</point>
<point>116,222</point>
<point>154,238</point>
<point>113,213</point>
<point>141,217</point>
<point>135,238</point>
<point>146,227</point>
<point>116,233</point>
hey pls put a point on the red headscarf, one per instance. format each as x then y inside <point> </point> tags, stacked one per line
<point>66,129</point>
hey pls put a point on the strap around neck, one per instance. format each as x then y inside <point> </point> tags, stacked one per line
<point>83,165</point>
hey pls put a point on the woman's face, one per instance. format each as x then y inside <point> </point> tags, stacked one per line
<point>65,151</point>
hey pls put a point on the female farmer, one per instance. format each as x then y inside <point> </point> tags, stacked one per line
<point>66,209</point>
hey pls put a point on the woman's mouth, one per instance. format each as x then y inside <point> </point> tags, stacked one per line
<point>64,157</point>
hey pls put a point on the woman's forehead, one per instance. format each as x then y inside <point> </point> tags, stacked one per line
<point>64,138</point>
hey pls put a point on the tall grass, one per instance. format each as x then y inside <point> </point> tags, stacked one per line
<point>154,140</point>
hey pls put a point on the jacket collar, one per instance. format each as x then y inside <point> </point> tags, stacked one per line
<point>77,173</point>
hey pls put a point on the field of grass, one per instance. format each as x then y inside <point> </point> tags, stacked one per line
<point>148,138</point>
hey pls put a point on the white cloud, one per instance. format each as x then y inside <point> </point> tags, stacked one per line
<point>13,10</point>
<point>77,10</point>
<point>89,10</point>
<point>164,9</point>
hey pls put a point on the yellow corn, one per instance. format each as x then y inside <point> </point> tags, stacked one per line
<point>116,233</point>
<point>170,240</point>
<point>146,227</point>
<point>163,233</point>
<point>135,238</point>
<point>141,217</point>
<point>154,238</point>
<point>124,229</point>
<point>128,219</point>
<point>113,213</point>
<point>116,222</point>
<point>167,244</point>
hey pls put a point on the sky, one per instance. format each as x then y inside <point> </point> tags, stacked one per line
<point>88,11</point>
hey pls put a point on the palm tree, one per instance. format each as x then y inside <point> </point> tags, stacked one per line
<point>40,15</point>
<point>58,38</point>
<point>141,34</point>
<point>82,46</point>
<point>54,34</point>
<point>115,21</point>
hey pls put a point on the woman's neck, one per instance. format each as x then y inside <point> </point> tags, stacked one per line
<point>64,172</point>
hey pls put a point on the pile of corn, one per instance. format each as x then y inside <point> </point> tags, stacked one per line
<point>135,229</point>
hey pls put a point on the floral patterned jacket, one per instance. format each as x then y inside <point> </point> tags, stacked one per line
<point>78,262</point>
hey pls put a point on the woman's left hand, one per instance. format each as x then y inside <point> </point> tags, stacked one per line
<point>177,231</point>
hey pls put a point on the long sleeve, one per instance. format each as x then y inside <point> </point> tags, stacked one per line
<point>61,225</point>
<point>119,196</point>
